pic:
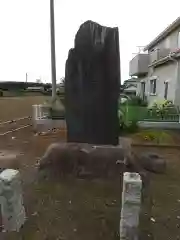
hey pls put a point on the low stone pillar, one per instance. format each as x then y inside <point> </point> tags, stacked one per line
<point>11,201</point>
<point>146,208</point>
<point>131,206</point>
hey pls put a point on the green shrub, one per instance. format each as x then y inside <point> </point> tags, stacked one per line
<point>164,109</point>
<point>131,127</point>
<point>161,105</point>
<point>136,101</point>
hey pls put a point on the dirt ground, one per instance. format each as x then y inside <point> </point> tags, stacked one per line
<point>79,209</point>
<point>15,107</point>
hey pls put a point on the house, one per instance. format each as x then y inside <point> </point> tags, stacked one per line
<point>130,86</point>
<point>158,67</point>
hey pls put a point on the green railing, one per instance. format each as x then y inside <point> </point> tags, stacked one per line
<point>139,113</point>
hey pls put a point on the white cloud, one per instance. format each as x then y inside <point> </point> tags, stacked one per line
<point>25,33</point>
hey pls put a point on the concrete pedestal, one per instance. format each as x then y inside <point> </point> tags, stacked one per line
<point>11,201</point>
<point>44,125</point>
<point>131,205</point>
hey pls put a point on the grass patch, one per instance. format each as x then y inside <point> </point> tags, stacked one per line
<point>154,136</point>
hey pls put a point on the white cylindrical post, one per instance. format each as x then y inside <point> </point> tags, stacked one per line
<point>131,205</point>
<point>40,112</point>
<point>35,112</point>
<point>11,201</point>
<point>53,51</point>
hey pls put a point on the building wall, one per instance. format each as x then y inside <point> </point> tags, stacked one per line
<point>138,91</point>
<point>166,72</point>
<point>171,41</point>
<point>177,90</point>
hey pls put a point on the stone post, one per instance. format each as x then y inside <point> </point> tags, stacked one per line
<point>11,201</point>
<point>131,206</point>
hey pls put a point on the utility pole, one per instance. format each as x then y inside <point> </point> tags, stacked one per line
<point>26,77</point>
<point>53,54</point>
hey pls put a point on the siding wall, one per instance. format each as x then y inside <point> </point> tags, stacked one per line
<point>170,41</point>
<point>166,72</point>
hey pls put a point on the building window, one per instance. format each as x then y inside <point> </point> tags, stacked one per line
<point>153,86</point>
<point>165,90</point>
<point>143,90</point>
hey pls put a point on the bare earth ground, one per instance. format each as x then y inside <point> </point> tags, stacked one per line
<point>77,209</point>
<point>71,209</point>
<point>15,107</point>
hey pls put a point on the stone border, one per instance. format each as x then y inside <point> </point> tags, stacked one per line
<point>159,125</point>
<point>155,145</point>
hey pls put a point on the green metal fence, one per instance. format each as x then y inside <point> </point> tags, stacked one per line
<point>139,113</point>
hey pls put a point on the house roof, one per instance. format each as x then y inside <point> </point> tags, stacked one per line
<point>164,34</point>
<point>131,80</point>
<point>131,88</point>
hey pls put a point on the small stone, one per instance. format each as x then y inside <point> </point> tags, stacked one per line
<point>35,214</point>
<point>43,133</point>
<point>153,220</point>
<point>119,162</point>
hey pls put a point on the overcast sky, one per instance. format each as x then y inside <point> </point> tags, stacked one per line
<point>25,38</point>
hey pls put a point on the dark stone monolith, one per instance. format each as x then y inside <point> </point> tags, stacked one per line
<point>92,84</point>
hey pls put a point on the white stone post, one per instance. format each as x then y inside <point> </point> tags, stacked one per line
<point>11,201</point>
<point>131,206</point>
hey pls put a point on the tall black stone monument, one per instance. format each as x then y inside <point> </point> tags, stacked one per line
<point>92,84</point>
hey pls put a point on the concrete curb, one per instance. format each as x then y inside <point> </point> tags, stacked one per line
<point>155,145</point>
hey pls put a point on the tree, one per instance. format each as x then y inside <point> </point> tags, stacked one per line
<point>62,81</point>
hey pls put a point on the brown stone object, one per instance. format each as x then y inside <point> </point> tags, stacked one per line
<point>83,160</point>
<point>152,162</point>
<point>86,160</point>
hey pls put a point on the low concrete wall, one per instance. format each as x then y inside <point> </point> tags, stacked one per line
<point>159,125</point>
